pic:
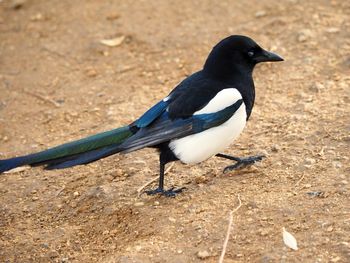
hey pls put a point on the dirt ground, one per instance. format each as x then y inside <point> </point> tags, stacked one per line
<point>59,83</point>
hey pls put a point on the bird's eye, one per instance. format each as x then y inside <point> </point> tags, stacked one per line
<point>251,53</point>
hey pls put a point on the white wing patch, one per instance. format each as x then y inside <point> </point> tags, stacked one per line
<point>222,100</point>
<point>201,146</point>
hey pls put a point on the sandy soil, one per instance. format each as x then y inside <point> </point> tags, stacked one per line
<point>59,83</point>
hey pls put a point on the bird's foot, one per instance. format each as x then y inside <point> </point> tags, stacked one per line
<point>168,193</point>
<point>244,162</point>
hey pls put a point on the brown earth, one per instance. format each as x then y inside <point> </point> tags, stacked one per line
<point>59,83</point>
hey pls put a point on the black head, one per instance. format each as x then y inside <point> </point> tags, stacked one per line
<point>236,54</point>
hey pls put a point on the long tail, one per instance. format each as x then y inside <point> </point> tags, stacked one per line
<point>73,153</point>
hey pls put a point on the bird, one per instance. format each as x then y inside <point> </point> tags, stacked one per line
<point>198,119</point>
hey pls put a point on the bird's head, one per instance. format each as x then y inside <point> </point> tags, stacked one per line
<point>236,54</point>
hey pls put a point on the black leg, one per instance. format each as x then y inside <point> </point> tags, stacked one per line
<point>241,162</point>
<point>160,190</point>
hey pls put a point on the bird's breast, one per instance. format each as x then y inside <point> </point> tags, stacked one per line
<point>198,147</point>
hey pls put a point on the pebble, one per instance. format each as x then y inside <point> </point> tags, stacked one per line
<point>336,164</point>
<point>335,259</point>
<point>112,16</point>
<point>309,161</point>
<point>317,87</point>
<point>91,73</point>
<point>139,204</point>
<point>275,148</point>
<point>332,30</point>
<point>260,13</point>
<point>17,4</point>
<point>203,254</point>
<point>264,232</point>
<point>76,194</point>
<point>37,17</point>
<point>45,245</point>
<point>53,254</point>
<point>304,35</point>
<point>138,248</point>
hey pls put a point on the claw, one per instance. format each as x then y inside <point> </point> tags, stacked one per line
<point>244,162</point>
<point>168,193</point>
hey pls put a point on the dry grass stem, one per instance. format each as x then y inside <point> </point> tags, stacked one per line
<point>229,229</point>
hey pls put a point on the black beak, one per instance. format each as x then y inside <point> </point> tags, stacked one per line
<point>265,56</point>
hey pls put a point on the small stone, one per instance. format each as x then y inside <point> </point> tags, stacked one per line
<point>113,16</point>
<point>309,161</point>
<point>76,194</point>
<point>17,4</point>
<point>201,179</point>
<point>45,245</point>
<point>275,148</point>
<point>35,198</point>
<point>332,30</point>
<point>91,73</point>
<point>171,219</point>
<point>317,87</point>
<point>307,185</point>
<point>317,194</point>
<point>304,35</point>
<point>335,259</point>
<point>138,204</point>
<point>260,13</point>
<point>37,17</point>
<point>96,109</point>
<point>302,38</point>
<point>156,203</point>
<point>203,254</point>
<point>344,182</point>
<point>179,251</point>
<point>53,254</point>
<point>138,248</point>
<point>264,232</point>
<point>329,229</point>
<point>336,164</point>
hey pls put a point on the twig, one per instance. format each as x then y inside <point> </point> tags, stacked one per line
<point>126,69</point>
<point>139,191</point>
<point>40,97</point>
<point>60,191</point>
<point>297,183</point>
<point>229,228</point>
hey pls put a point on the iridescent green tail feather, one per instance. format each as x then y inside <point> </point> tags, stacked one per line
<point>70,153</point>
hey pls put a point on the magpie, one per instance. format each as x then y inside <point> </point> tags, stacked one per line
<point>199,118</point>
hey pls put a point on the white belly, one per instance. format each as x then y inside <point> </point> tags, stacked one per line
<point>201,146</point>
